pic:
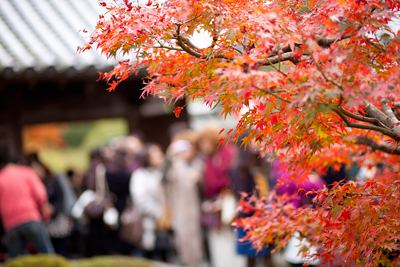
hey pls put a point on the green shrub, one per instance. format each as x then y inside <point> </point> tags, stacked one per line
<point>113,261</point>
<point>41,260</point>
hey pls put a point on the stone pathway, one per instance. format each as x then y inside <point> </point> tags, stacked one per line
<point>276,258</point>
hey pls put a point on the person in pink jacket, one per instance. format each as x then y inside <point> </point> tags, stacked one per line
<point>23,208</point>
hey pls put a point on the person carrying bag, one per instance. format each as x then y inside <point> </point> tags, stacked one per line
<point>93,205</point>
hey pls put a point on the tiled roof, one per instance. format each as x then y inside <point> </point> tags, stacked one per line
<point>42,34</point>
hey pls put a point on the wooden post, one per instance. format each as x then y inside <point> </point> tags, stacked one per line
<point>133,116</point>
<point>14,127</point>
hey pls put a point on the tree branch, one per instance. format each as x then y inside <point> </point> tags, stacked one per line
<point>283,57</point>
<point>383,118</point>
<point>215,35</point>
<point>338,85</point>
<point>327,41</point>
<point>322,41</point>
<point>168,47</point>
<point>363,140</point>
<point>374,45</point>
<point>356,117</point>
<point>363,118</point>
<point>187,42</point>
<point>237,50</point>
<point>281,72</point>
<point>182,44</point>
<point>192,19</point>
<point>382,130</point>
<point>373,111</point>
<point>364,195</point>
<point>388,111</point>
<point>270,93</point>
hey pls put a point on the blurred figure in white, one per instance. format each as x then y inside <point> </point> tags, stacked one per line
<point>184,175</point>
<point>366,172</point>
<point>146,193</point>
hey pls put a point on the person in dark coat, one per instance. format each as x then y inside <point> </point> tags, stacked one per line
<point>121,158</point>
<point>58,233</point>
<point>249,176</point>
<point>332,175</point>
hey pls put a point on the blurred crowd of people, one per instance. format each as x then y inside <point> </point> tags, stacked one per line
<point>140,199</point>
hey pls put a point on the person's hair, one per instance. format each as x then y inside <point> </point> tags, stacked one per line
<point>211,134</point>
<point>188,135</point>
<point>139,134</point>
<point>34,158</point>
<point>12,160</point>
<point>70,173</point>
<point>8,160</point>
<point>96,153</point>
<point>176,128</point>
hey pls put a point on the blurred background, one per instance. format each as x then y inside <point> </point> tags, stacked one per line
<point>55,116</point>
<point>57,119</point>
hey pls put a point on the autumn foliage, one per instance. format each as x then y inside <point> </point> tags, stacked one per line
<point>325,80</point>
<point>37,137</point>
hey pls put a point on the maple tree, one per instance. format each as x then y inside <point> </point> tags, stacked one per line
<point>325,80</point>
<point>37,137</point>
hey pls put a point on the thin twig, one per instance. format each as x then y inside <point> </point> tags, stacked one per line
<point>215,36</point>
<point>340,86</point>
<point>278,70</point>
<point>364,195</point>
<point>168,47</point>
<point>190,20</point>
<point>234,48</point>
<point>374,45</point>
<point>270,93</point>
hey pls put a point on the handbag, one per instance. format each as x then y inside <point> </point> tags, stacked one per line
<point>165,222</point>
<point>101,205</point>
<point>228,208</point>
<point>60,226</point>
<point>131,228</point>
<point>78,210</point>
<point>293,251</point>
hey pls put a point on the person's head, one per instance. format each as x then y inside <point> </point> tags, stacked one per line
<point>121,157</point>
<point>70,173</point>
<point>96,154</point>
<point>118,153</point>
<point>8,160</point>
<point>75,177</point>
<point>177,128</point>
<point>184,149</point>
<point>208,142</point>
<point>12,160</point>
<point>32,157</point>
<point>41,170</point>
<point>134,143</point>
<point>184,145</point>
<point>153,156</point>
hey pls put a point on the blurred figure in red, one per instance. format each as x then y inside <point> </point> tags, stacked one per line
<point>23,208</point>
<point>217,161</point>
